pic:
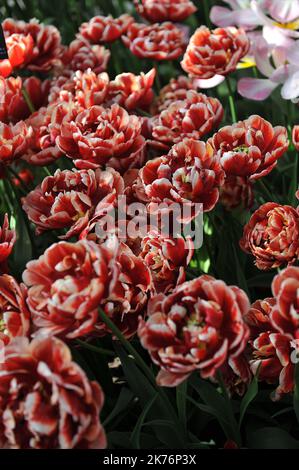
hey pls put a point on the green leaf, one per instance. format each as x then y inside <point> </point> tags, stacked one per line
<point>242,283</point>
<point>289,409</point>
<point>219,406</point>
<point>135,437</point>
<point>272,438</point>
<point>199,445</point>
<point>145,391</point>
<point>181,392</point>
<point>296,392</point>
<point>248,398</point>
<point>159,422</point>
<point>205,408</point>
<point>22,251</point>
<point>261,280</point>
<point>119,439</point>
<point>124,398</point>
<point>294,182</point>
<point>137,381</point>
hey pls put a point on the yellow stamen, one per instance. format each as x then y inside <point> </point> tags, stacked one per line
<point>246,63</point>
<point>293,25</point>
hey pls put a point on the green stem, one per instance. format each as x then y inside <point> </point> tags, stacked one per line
<point>158,81</point>
<point>28,100</point>
<point>181,394</point>
<point>231,100</point>
<point>255,72</point>
<point>139,361</point>
<point>96,349</point>
<point>197,254</point>
<point>114,58</point>
<point>142,112</point>
<point>15,175</point>
<point>235,430</point>
<point>130,349</point>
<point>6,199</point>
<point>26,221</point>
<point>271,197</point>
<point>206,8</point>
<point>47,171</point>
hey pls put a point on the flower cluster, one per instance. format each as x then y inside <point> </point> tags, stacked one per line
<point>199,326</point>
<point>272,235</point>
<point>272,27</point>
<point>32,45</point>
<point>189,172</point>
<point>250,148</point>
<point>69,199</point>
<point>273,325</point>
<point>217,52</point>
<point>46,399</point>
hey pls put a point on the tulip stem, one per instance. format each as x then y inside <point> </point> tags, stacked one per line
<point>265,191</point>
<point>236,436</point>
<point>46,170</point>
<point>142,112</point>
<point>15,175</point>
<point>181,400</point>
<point>139,361</point>
<point>113,56</point>
<point>96,349</point>
<point>206,10</point>
<point>231,100</point>
<point>12,191</point>
<point>5,196</point>
<point>158,81</point>
<point>28,100</point>
<point>130,349</point>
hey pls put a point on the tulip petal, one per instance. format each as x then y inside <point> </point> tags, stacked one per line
<point>261,55</point>
<point>290,89</point>
<point>257,89</point>
<point>246,18</point>
<point>209,82</point>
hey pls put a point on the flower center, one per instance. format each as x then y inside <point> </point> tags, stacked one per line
<point>241,148</point>
<point>293,25</point>
<point>2,324</point>
<point>246,62</point>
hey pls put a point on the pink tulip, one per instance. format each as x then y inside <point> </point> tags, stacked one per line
<point>284,71</point>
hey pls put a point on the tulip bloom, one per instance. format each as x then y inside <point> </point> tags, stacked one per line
<point>215,52</point>
<point>250,148</point>
<point>157,41</point>
<point>99,136</point>
<point>47,48</point>
<point>101,29</point>
<point>47,401</point>
<point>14,313</point>
<point>190,172</point>
<point>199,326</point>
<point>271,236</point>
<point>165,10</point>
<point>192,117</point>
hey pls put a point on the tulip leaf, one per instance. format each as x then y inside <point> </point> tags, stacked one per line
<point>218,405</point>
<point>145,392</point>
<point>123,401</point>
<point>296,392</point>
<point>135,436</point>
<point>249,396</point>
<point>272,438</point>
